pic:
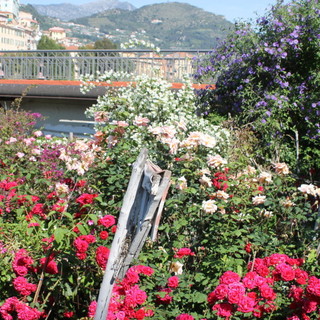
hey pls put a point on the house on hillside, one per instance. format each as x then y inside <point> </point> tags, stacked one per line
<point>57,33</point>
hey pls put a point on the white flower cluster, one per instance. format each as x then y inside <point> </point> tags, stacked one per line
<point>134,42</point>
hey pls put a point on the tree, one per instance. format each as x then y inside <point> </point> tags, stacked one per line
<point>267,77</point>
<point>104,44</point>
<point>46,43</point>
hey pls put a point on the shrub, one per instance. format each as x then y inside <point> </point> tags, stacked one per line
<point>266,75</point>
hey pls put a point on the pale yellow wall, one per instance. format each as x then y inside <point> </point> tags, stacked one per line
<point>12,38</point>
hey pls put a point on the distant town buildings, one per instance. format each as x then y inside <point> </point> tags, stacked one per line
<point>18,29</point>
<point>11,6</point>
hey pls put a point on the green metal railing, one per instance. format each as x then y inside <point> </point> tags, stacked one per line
<point>71,65</point>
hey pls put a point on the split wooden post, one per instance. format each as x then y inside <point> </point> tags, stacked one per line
<point>142,206</point>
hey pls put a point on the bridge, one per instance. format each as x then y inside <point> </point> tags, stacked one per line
<point>49,80</point>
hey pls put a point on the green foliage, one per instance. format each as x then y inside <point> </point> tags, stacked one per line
<point>267,76</point>
<point>46,43</point>
<point>104,44</point>
<point>169,25</point>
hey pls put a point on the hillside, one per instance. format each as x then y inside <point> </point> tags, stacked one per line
<point>168,25</point>
<point>67,11</point>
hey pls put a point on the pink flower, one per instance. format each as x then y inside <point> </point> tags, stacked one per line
<point>37,133</point>
<point>164,298</point>
<point>103,235</point>
<point>102,255</point>
<point>22,263</point>
<point>140,121</point>
<point>246,304</point>
<point>183,252</point>
<point>236,291</point>
<point>221,292</point>
<point>286,272</point>
<point>13,308</point>
<point>184,316</point>
<point>135,296</point>
<point>229,277</point>
<point>86,198</point>
<point>107,221</point>
<point>314,286</point>
<point>223,309</point>
<point>173,282</point>
<point>22,285</point>
<point>92,309</point>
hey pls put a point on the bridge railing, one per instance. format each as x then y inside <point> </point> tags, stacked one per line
<point>70,65</point>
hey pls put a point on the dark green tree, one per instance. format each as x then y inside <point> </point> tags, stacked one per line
<point>104,44</point>
<point>46,43</point>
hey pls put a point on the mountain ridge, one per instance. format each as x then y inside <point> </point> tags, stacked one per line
<point>167,25</point>
<point>67,11</point>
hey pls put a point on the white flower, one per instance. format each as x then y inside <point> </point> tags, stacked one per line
<point>209,206</point>
<point>208,141</point>
<point>222,195</point>
<point>61,188</point>
<point>265,213</point>
<point>140,121</point>
<point>176,267</point>
<point>216,161</point>
<point>281,168</point>
<point>265,177</point>
<point>258,200</point>
<point>181,183</point>
<point>205,181</point>
<point>308,189</point>
<point>37,133</point>
<point>20,154</point>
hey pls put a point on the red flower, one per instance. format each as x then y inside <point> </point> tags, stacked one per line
<point>22,285</point>
<point>236,292</point>
<point>107,221</point>
<point>68,314</point>
<point>246,304</point>
<point>173,282</point>
<point>86,198</point>
<point>104,235</point>
<point>314,286</point>
<point>223,310</point>
<point>52,267</point>
<point>229,277</point>
<point>286,272</point>
<point>184,252</point>
<point>102,255</point>
<point>184,316</point>
<point>166,298</point>
<point>247,247</point>
<point>22,263</point>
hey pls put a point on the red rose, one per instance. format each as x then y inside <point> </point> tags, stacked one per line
<point>236,291</point>
<point>173,282</point>
<point>229,277</point>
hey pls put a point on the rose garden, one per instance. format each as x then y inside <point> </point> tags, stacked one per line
<point>239,233</point>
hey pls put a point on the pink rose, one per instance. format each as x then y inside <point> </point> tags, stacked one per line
<point>246,304</point>
<point>223,309</point>
<point>236,291</point>
<point>173,282</point>
<point>229,277</point>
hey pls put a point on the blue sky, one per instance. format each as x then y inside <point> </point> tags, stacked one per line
<point>230,9</point>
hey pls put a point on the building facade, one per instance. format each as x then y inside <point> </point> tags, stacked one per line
<point>10,6</point>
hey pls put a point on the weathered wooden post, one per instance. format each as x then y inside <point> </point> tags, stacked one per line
<point>147,189</point>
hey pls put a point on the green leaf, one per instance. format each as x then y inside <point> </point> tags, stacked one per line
<point>59,234</point>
